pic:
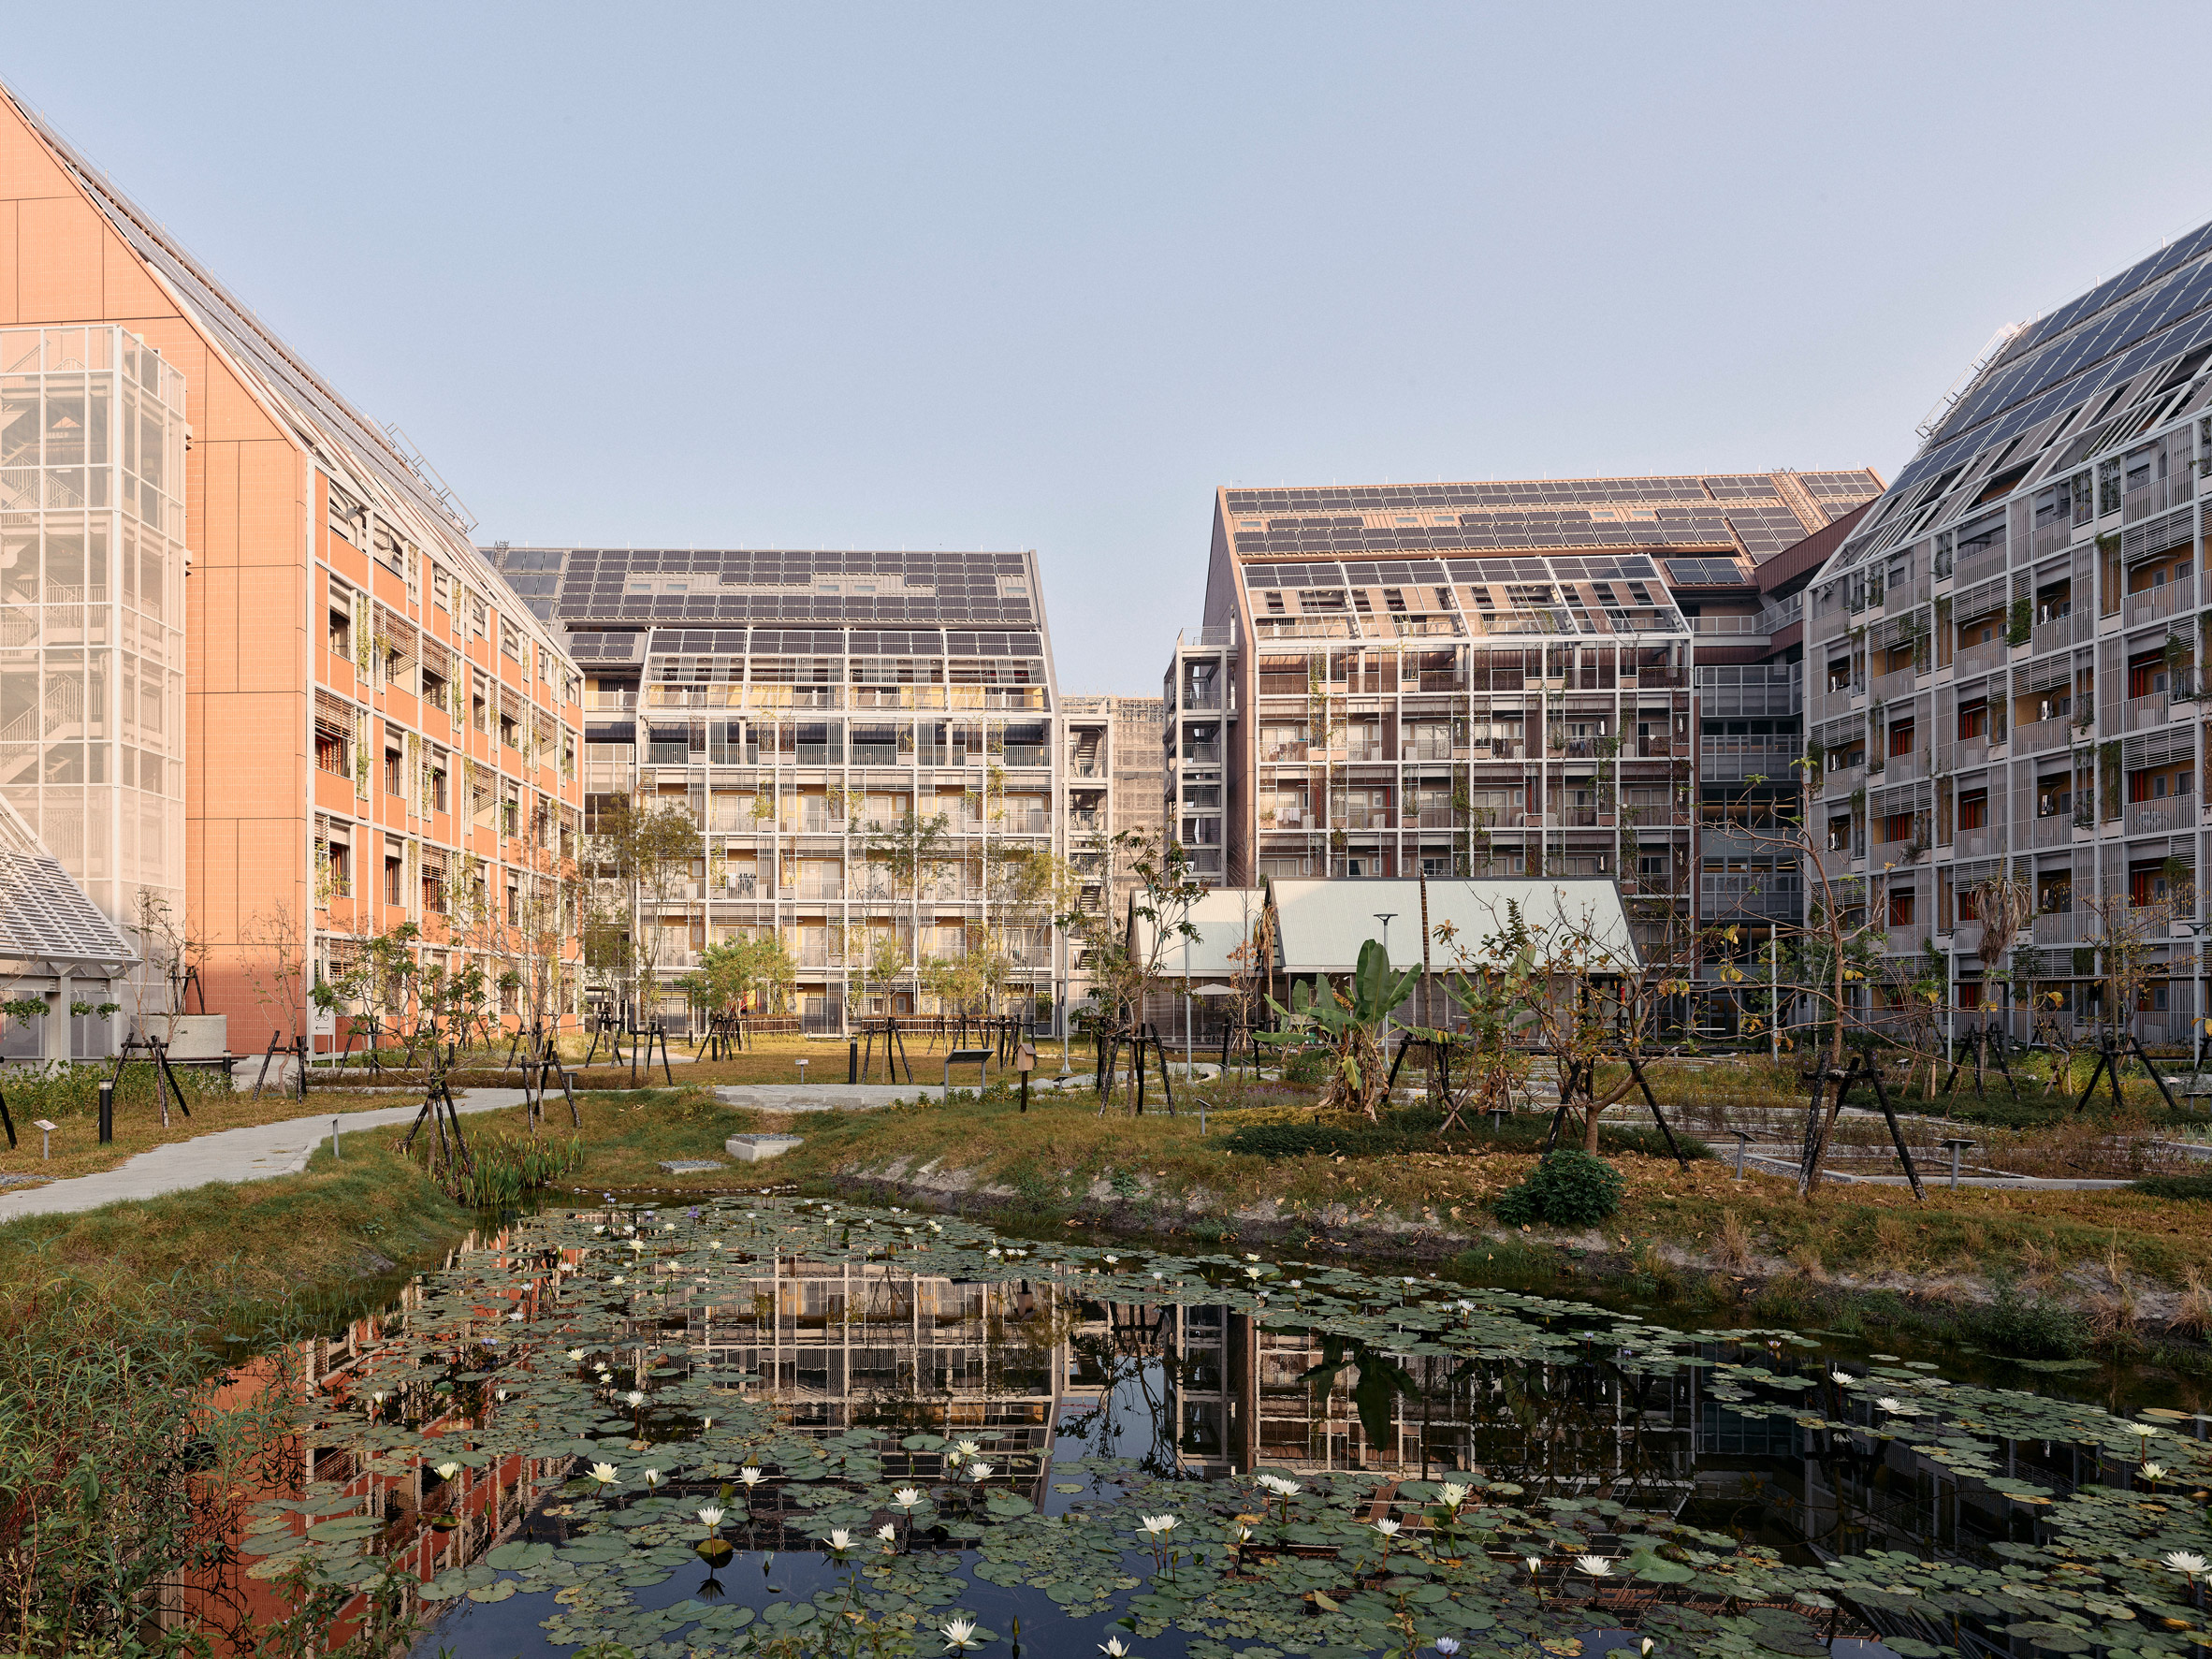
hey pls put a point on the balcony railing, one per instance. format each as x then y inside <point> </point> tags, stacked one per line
<point>1984,842</point>
<point>1907,938</point>
<point>1904,768</point>
<point>2158,495</point>
<point>2139,713</point>
<point>1904,596</point>
<point>2146,604</point>
<point>2034,736</point>
<point>1889,687</point>
<point>2053,829</point>
<point>2056,632</point>
<point>2051,537</point>
<point>1980,568</point>
<point>2063,927</point>
<point>2160,816</point>
<point>1979,659</point>
<point>1964,752</point>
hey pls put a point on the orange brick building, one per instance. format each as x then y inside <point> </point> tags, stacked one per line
<point>373,729</point>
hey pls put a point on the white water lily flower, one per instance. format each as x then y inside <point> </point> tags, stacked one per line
<point>2185,1562</point>
<point>712,1515</point>
<point>1112,1646</point>
<point>979,1471</point>
<point>1646,1646</point>
<point>601,1227</point>
<point>1842,1379</point>
<point>1597,1566</point>
<point>1387,1528</point>
<point>1254,1273</point>
<point>1112,1261</point>
<point>1448,1647</point>
<point>502,1393</point>
<point>669,1227</point>
<point>1157,1526</point>
<point>1244,1535</point>
<point>907,1497</point>
<point>447,1471</point>
<point>652,1477</point>
<point>749,1474</point>
<point>840,1538</point>
<point>1452,1493</point>
<point>1297,1284</point>
<point>1250,1257</point>
<point>2154,1471</point>
<point>1897,1407</point>
<point>514,1318</point>
<point>968,1447</point>
<point>616,1280</point>
<point>634,1397</point>
<point>575,1353</point>
<point>959,1635</point>
<point>888,1533</point>
<point>1535,1564</point>
<point>1280,1487</point>
<point>603,1474</point>
<point>993,1252</point>
<point>637,1244</point>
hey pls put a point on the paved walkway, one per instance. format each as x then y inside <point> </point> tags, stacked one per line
<point>252,1154</point>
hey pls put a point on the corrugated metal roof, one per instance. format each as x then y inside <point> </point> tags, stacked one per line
<point>1322,922</point>
<point>44,915</point>
<point>1226,917</point>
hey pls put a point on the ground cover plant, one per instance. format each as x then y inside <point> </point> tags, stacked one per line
<point>657,1455</point>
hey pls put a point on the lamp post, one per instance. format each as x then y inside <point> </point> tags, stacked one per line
<point>2197,934</point>
<point>1384,917</point>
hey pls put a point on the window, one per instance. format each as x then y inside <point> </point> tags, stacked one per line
<point>433,891</point>
<point>1974,719</point>
<point>330,750</point>
<point>437,790</point>
<point>1900,737</point>
<point>1973,810</point>
<point>395,891</point>
<point>395,772</point>
<point>514,901</point>
<point>340,865</point>
<point>1900,909</point>
<point>342,628</point>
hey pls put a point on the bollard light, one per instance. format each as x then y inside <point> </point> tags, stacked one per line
<point>46,1131</point>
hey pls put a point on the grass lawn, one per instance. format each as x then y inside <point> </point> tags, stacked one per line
<point>251,1251</point>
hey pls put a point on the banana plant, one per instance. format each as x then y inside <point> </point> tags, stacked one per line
<point>1350,1025</point>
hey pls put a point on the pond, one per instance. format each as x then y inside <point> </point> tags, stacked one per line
<point>811,1428</point>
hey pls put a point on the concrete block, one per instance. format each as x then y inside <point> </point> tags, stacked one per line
<point>751,1149</point>
<point>688,1166</point>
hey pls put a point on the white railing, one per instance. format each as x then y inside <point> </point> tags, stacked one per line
<point>2139,712</point>
<point>2054,632</point>
<point>2062,927</point>
<point>1896,684</point>
<point>2149,604</point>
<point>2036,736</point>
<point>1979,659</point>
<point>2174,812</point>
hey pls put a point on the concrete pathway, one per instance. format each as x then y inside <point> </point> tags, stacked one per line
<point>252,1154</point>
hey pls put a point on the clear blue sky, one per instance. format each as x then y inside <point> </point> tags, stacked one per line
<point>1046,275</point>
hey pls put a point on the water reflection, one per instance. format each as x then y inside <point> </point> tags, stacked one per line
<point>890,1374</point>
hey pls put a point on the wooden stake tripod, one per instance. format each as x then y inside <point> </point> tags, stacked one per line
<point>1818,1129</point>
<point>606,1023</point>
<point>2108,1064</point>
<point>895,1049</point>
<point>297,1047</point>
<point>539,1073</point>
<point>724,1036</point>
<point>1993,1039</point>
<point>1582,1079</point>
<point>159,1052</point>
<point>655,1033</point>
<point>438,1109</point>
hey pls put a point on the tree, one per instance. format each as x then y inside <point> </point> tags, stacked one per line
<point>1164,893</point>
<point>742,973</point>
<point>640,850</point>
<point>1351,1024</point>
<point>2004,906</point>
<point>275,963</point>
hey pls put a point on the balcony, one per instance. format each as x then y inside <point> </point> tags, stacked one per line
<point>1984,565</point>
<point>2146,604</point>
<point>2052,829</point>
<point>1965,751</point>
<point>2171,815</point>
<point>2141,713</point>
<point>1906,938</point>
<point>1905,769</point>
<point>1979,659</point>
<point>2064,928</point>
<point>1904,596</point>
<point>2057,632</point>
<point>2037,735</point>
<point>1201,754</point>
<point>1984,842</point>
<point>2158,495</point>
<point>2049,538</point>
<point>1830,704</point>
<point>1281,752</point>
<point>1890,687</point>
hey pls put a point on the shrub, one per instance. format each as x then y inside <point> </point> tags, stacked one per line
<point>1416,1132</point>
<point>2176,1186</point>
<point>1567,1188</point>
<point>2030,1328</point>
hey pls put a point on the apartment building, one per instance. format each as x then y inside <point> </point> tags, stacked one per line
<point>252,668</point>
<point>1477,678</point>
<point>1112,786</point>
<point>809,709</point>
<point>2005,655</point>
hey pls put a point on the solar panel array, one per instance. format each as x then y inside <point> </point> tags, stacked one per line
<point>1707,572</point>
<point>2157,309</point>
<point>644,586</point>
<point>43,913</point>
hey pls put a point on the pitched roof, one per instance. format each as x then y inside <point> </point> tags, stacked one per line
<point>1225,918</point>
<point>1323,921</point>
<point>44,915</point>
<point>347,443</point>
